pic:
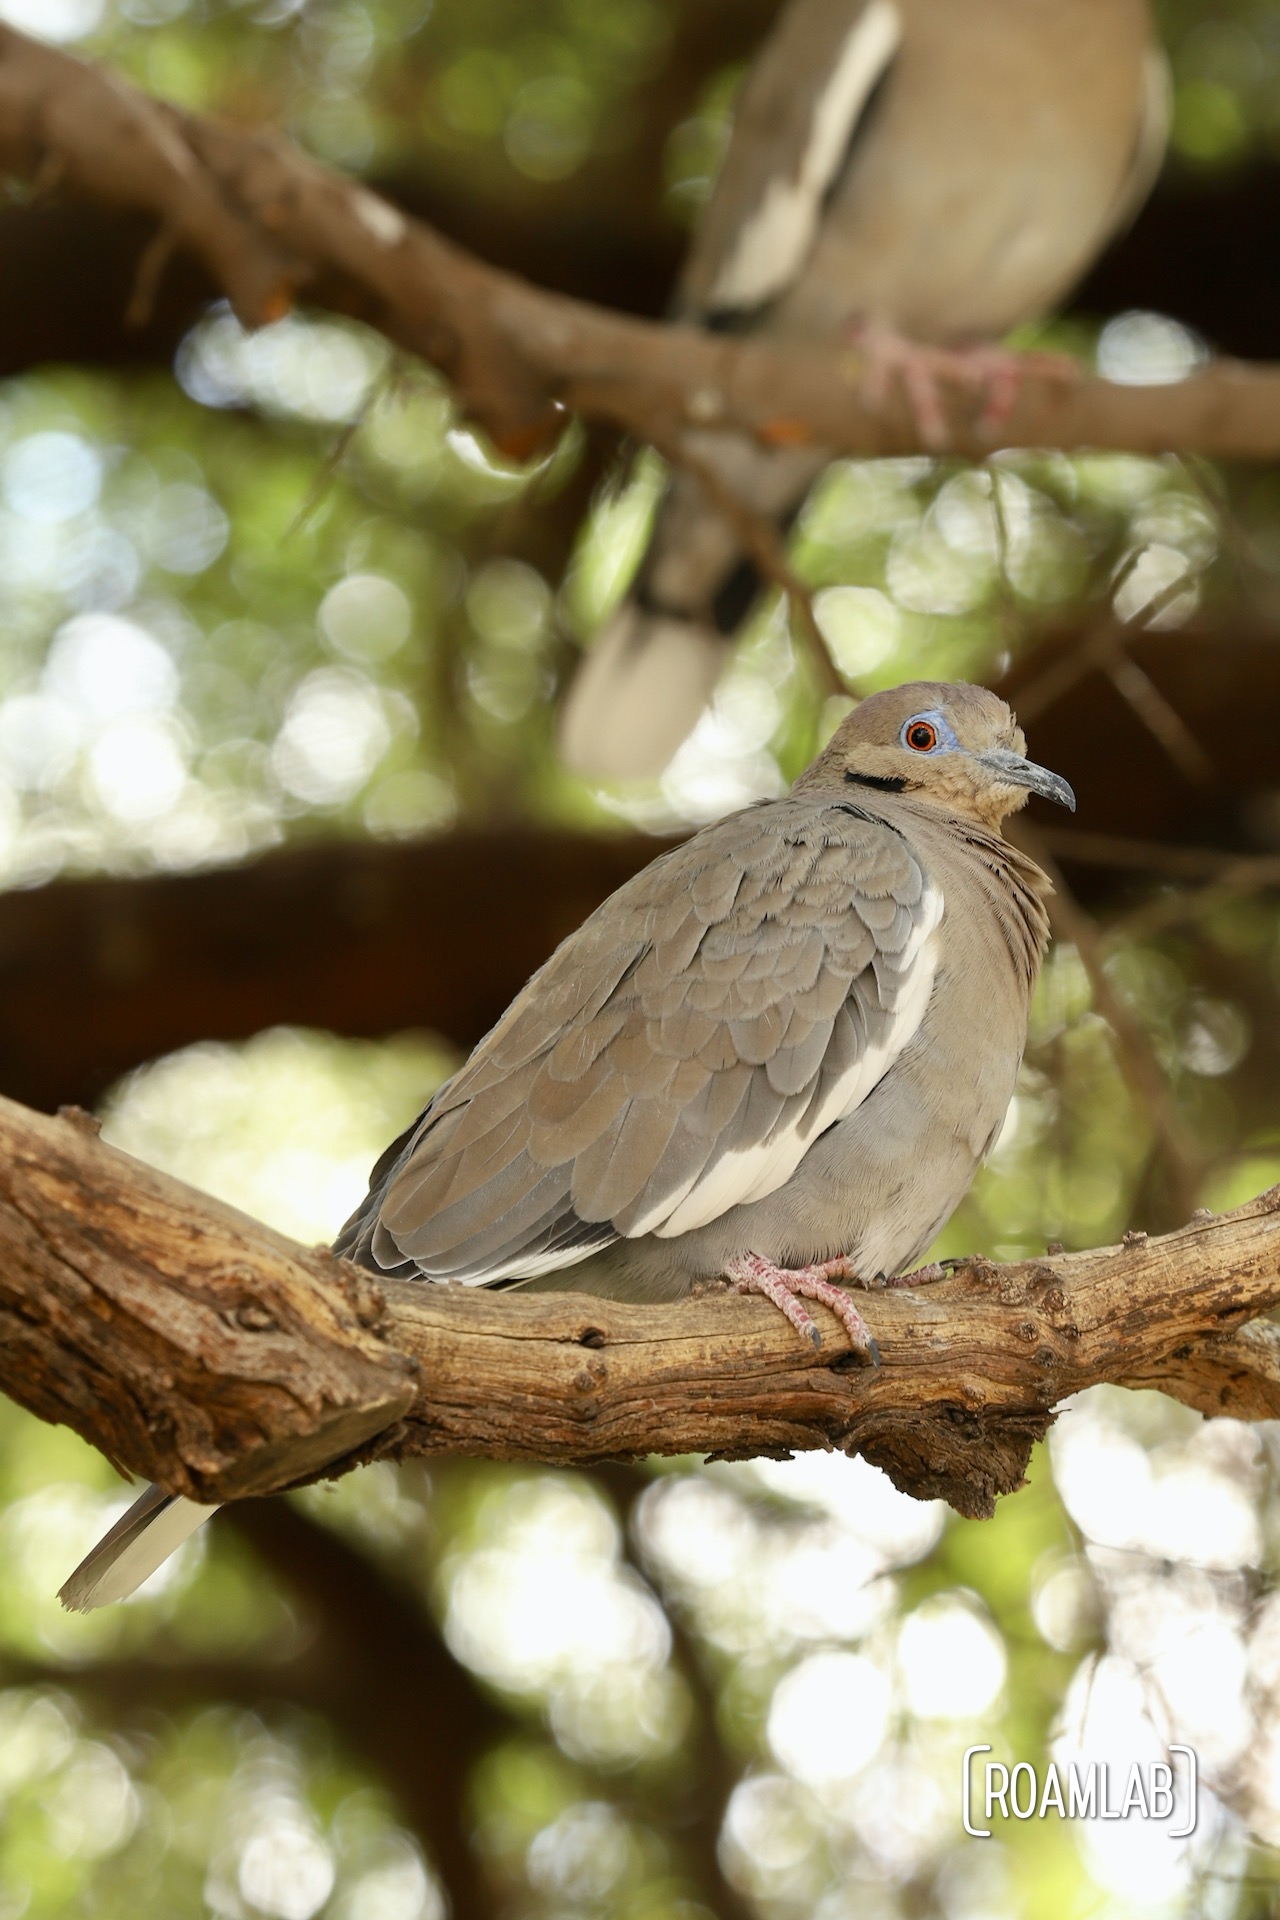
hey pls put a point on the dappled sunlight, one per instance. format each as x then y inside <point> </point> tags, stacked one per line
<point>244,1822</point>
<point>771,1841</point>
<point>829,1717</point>
<point>759,1588</point>
<point>538,1603</point>
<point>583,1855</point>
<point>952,1661</point>
<point>205,658</point>
<point>1189,1497</point>
<point>199,655</point>
<point>861,1497</point>
<point>334,735</point>
<point>1109,1716</point>
<point>275,1849</point>
<point>286,1127</point>
<point>1145,349</point>
<point>309,369</point>
<point>41,1538</point>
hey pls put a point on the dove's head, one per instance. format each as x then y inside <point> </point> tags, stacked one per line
<point>956,745</point>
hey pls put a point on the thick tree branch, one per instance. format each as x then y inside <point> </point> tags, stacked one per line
<point>270,225</point>
<point>204,1351</point>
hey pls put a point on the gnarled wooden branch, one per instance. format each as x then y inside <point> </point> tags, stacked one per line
<point>272,225</point>
<point>200,1349</point>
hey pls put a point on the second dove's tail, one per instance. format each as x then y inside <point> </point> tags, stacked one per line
<point>638,693</point>
<point>649,674</point>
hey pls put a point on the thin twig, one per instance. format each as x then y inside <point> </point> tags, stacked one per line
<point>1135,1054</point>
<point>1170,910</point>
<point>764,543</point>
<point>326,473</point>
<point>1080,847</point>
<point>1101,648</point>
<point>1162,721</point>
<point>1224,876</point>
<point>1052,683</point>
<point>156,256</point>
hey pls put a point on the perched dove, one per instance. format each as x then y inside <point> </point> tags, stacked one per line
<point>775,1057</point>
<point>940,169</point>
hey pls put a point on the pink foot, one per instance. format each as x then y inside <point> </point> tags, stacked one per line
<point>993,373</point>
<point>751,1274</point>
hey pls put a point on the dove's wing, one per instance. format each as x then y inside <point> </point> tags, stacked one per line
<point>675,1057</point>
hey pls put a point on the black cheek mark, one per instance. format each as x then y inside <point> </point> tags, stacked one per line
<point>883,783</point>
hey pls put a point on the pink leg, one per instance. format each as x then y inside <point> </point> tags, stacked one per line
<point>993,373</point>
<point>751,1274</point>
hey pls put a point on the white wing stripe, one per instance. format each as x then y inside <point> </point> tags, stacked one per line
<point>773,241</point>
<point>754,1172</point>
<point>523,1266</point>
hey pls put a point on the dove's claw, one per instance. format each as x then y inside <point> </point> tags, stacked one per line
<point>749,1273</point>
<point>928,375</point>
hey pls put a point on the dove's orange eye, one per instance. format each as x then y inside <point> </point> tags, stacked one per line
<point>922,735</point>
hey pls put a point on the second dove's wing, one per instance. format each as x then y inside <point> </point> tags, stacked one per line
<point>796,119</point>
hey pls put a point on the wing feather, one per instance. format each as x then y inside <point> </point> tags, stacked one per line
<point>657,1073</point>
<point>796,117</point>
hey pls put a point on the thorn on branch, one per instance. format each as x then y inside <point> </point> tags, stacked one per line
<point>159,250</point>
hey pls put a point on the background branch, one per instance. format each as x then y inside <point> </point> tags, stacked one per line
<point>99,975</point>
<point>209,1353</point>
<point>271,225</point>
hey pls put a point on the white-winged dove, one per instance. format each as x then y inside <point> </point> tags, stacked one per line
<point>776,1056</point>
<point>939,169</point>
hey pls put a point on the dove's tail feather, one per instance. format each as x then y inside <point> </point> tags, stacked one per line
<point>638,693</point>
<point>141,1540</point>
<point>647,678</point>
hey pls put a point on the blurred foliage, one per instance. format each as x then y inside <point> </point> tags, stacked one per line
<point>288,593</point>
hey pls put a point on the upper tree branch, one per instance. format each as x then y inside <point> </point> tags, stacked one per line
<point>202,1350</point>
<point>270,224</point>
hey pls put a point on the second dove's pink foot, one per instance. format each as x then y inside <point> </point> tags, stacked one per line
<point>993,372</point>
<point>749,1273</point>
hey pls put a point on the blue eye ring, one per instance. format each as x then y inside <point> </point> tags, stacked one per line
<point>927,733</point>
